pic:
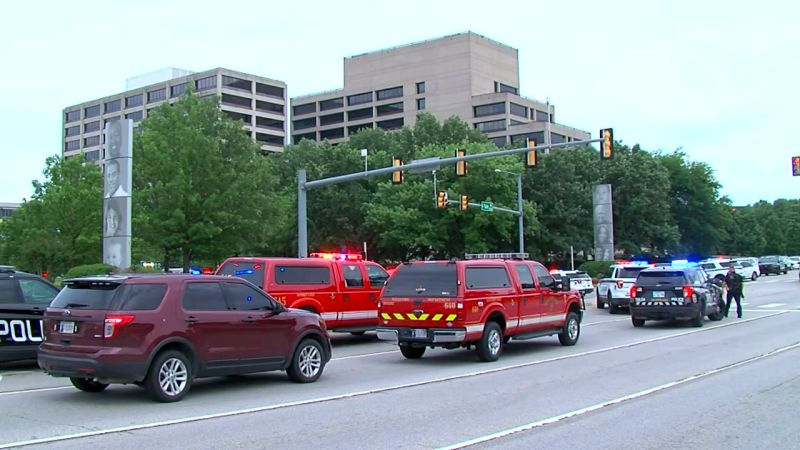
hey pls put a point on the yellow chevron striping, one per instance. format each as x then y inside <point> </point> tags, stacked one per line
<point>451,317</point>
<point>424,317</point>
<point>386,316</point>
<point>437,317</point>
<point>411,316</point>
<point>398,316</point>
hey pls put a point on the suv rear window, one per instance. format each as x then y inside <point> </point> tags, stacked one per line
<point>249,270</point>
<point>86,295</point>
<point>672,278</point>
<point>423,280</point>
<point>629,272</point>
<point>302,275</point>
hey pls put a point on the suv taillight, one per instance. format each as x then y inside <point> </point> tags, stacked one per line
<point>633,291</point>
<point>113,323</point>
<point>688,292</point>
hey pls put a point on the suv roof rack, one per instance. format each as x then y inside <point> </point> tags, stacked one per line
<point>496,255</point>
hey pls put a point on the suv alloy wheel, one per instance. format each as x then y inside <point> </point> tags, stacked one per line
<point>169,377</point>
<point>307,362</point>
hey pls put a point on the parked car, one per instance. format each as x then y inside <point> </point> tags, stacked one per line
<point>747,269</point>
<point>794,262</point>
<point>23,299</point>
<point>614,291</point>
<point>772,265</point>
<point>578,280</point>
<point>670,293</point>
<point>164,331</point>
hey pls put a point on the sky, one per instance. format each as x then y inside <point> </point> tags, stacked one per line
<point>716,79</point>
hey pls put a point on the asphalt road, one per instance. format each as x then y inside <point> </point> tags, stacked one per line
<point>729,384</point>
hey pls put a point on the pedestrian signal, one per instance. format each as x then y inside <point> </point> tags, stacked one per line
<point>461,166</point>
<point>796,166</point>
<point>607,143</point>
<point>397,175</point>
<point>441,199</point>
<point>531,157</point>
<point>463,203</point>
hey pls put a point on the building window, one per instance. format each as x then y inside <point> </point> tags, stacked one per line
<point>269,107</point>
<point>109,119</point>
<point>391,108</point>
<point>91,141</point>
<point>519,110</point>
<point>134,116</point>
<point>421,87</point>
<point>266,122</point>
<point>72,131</point>
<point>500,87</point>
<point>304,123</point>
<point>335,133</point>
<point>91,126</point>
<point>499,141</point>
<point>91,111</point>
<point>304,109</point>
<point>490,109</point>
<point>267,89</point>
<point>247,119</point>
<point>516,122</point>
<point>356,128</point>
<point>492,125</point>
<point>236,83</point>
<point>537,136</point>
<point>299,137</point>
<point>420,104</point>
<point>331,119</point>
<point>390,93</point>
<point>556,138</point>
<point>392,124</point>
<point>177,90</point>
<point>94,155</point>
<point>133,100</point>
<point>235,100</point>
<point>157,95</point>
<point>112,106</point>
<point>204,84</point>
<point>358,99</point>
<point>333,103</point>
<point>72,145</point>
<point>72,116</point>
<point>541,116</point>
<point>270,139</point>
<point>357,114</point>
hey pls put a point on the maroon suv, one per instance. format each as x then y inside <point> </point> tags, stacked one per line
<point>163,331</point>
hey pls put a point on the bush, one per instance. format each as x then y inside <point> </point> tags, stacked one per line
<point>597,269</point>
<point>89,269</point>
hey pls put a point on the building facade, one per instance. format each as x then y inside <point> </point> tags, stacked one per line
<point>7,209</point>
<point>260,103</point>
<point>465,74</point>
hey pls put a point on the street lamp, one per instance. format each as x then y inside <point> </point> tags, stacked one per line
<point>519,206</point>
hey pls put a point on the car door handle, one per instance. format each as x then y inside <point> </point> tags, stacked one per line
<point>191,319</point>
<point>248,320</point>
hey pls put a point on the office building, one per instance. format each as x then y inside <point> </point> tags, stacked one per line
<point>7,209</point>
<point>465,74</point>
<point>260,103</point>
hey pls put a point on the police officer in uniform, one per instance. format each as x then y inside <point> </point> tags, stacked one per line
<point>734,283</point>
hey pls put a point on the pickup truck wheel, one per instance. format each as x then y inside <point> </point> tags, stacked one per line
<point>88,384</point>
<point>572,330</point>
<point>412,352</point>
<point>491,344</point>
<point>701,314</point>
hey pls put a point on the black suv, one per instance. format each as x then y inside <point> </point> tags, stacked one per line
<point>23,299</point>
<point>676,293</point>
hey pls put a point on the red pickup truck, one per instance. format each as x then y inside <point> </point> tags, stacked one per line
<point>475,303</point>
<point>342,288</point>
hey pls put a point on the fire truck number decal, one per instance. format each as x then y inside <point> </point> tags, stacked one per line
<point>21,331</point>
<point>450,305</point>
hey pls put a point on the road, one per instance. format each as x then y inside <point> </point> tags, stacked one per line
<point>729,384</point>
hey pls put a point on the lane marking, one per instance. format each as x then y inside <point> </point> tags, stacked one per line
<point>28,391</point>
<point>603,321</point>
<point>363,355</point>
<point>598,406</point>
<point>772,305</point>
<point>349,395</point>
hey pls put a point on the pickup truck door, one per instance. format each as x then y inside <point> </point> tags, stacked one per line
<point>530,306</point>
<point>553,301</point>
<point>358,305</point>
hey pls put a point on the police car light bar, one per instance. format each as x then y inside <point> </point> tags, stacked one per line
<point>496,256</point>
<point>338,256</point>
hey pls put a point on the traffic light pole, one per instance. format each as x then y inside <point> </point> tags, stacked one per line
<point>303,185</point>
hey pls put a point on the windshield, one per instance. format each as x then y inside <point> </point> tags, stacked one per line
<point>423,280</point>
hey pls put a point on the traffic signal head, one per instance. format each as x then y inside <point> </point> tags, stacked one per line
<point>398,175</point>
<point>441,199</point>
<point>531,157</point>
<point>461,166</point>
<point>463,203</point>
<point>607,143</point>
<point>796,166</point>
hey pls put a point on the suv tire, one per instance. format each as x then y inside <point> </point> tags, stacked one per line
<point>88,384</point>
<point>410,352</point>
<point>720,313</point>
<point>169,377</point>
<point>754,276</point>
<point>490,346</point>
<point>638,323</point>
<point>307,362</point>
<point>600,304</point>
<point>701,314</point>
<point>611,308</point>
<point>572,330</point>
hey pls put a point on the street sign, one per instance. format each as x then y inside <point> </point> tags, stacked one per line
<point>487,206</point>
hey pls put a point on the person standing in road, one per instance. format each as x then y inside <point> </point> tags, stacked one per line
<point>734,283</point>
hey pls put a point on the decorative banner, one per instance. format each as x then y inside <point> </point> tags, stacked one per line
<point>117,185</point>
<point>603,222</point>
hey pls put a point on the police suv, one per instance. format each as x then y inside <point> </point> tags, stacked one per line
<point>23,299</point>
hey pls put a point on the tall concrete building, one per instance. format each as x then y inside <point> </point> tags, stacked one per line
<point>466,74</point>
<point>260,103</point>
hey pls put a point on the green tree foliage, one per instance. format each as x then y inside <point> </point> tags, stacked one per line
<point>199,183</point>
<point>61,225</point>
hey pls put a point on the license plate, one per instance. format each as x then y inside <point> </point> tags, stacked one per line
<point>658,294</point>
<point>66,327</point>
<point>419,333</point>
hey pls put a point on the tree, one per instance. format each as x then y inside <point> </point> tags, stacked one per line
<point>61,226</point>
<point>199,183</point>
